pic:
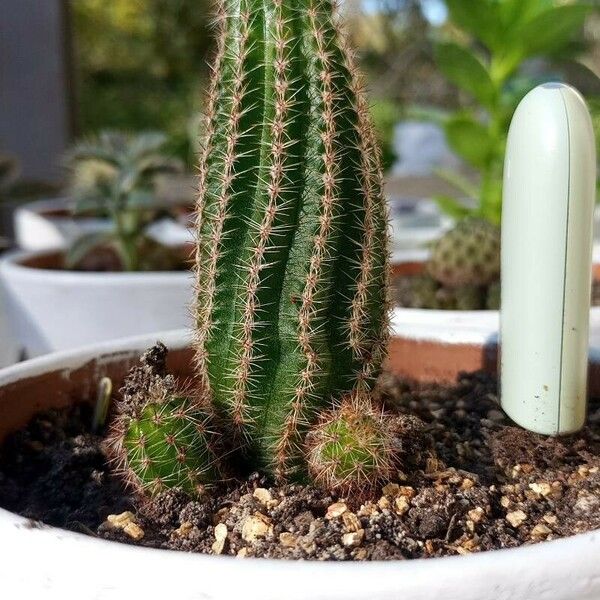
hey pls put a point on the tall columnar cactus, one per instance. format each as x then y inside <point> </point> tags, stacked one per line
<point>292,255</point>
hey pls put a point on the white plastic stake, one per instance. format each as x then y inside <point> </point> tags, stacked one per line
<point>547,221</point>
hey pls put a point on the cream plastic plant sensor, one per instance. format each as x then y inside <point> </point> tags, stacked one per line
<point>549,189</point>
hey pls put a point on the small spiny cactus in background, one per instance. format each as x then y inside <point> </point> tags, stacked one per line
<point>492,301</point>
<point>292,262</point>
<point>469,297</point>
<point>160,436</point>
<point>353,448</point>
<point>467,255</point>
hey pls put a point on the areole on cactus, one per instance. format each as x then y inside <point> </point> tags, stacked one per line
<point>292,255</point>
<point>292,258</point>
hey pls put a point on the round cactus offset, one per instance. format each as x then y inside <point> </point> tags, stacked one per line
<point>353,448</point>
<point>292,263</point>
<point>160,438</point>
<point>167,446</point>
<point>468,255</point>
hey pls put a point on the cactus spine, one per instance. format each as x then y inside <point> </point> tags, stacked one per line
<point>292,254</point>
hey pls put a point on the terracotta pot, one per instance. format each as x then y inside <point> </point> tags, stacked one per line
<point>52,309</point>
<point>42,561</point>
<point>436,345</point>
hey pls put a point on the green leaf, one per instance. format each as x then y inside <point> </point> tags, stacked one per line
<point>452,207</point>
<point>490,203</point>
<point>466,71</point>
<point>470,139</point>
<point>516,12</point>
<point>480,18</point>
<point>426,113</point>
<point>552,29</point>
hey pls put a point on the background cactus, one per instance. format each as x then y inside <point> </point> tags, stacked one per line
<point>292,255</point>
<point>160,437</point>
<point>467,255</point>
<point>463,272</point>
<point>353,448</point>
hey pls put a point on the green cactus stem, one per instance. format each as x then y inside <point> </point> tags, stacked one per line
<point>160,437</point>
<point>292,265</point>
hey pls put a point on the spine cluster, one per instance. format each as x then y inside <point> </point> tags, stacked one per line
<point>354,448</point>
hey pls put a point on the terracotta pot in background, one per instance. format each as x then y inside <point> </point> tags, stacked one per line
<point>436,345</point>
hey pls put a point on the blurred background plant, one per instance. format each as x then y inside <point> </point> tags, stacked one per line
<point>462,65</point>
<point>489,47</point>
<point>116,175</point>
<point>141,65</point>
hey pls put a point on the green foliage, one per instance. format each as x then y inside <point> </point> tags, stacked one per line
<point>115,175</point>
<point>140,65</point>
<point>498,37</point>
<point>292,259</point>
<point>385,115</point>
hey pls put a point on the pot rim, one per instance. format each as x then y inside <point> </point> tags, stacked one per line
<point>11,266</point>
<point>478,327</point>
<point>580,547</point>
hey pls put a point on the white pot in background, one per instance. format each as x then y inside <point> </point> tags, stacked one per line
<point>9,348</point>
<point>437,345</point>
<point>49,225</point>
<point>49,563</point>
<point>53,309</point>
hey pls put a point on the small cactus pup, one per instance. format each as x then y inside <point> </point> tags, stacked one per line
<point>292,261</point>
<point>160,437</point>
<point>353,448</point>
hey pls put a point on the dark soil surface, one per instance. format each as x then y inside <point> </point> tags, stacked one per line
<point>488,485</point>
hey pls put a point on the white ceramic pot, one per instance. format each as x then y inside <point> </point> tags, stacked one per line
<point>49,225</point>
<point>53,309</point>
<point>9,348</point>
<point>45,562</point>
